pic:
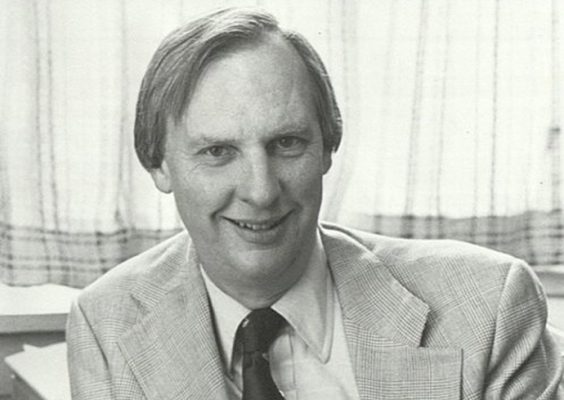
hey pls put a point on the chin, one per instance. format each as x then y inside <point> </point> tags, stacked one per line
<point>269,263</point>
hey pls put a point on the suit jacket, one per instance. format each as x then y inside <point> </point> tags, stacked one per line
<point>423,320</point>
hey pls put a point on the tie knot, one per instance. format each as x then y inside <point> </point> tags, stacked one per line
<point>259,328</point>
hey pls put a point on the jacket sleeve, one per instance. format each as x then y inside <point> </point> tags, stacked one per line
<point>88,367</point>
<point>525,362</point>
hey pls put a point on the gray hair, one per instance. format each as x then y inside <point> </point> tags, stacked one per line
<point>176,66</point>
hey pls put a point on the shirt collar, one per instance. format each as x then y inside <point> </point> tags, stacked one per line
<point>307,306</point>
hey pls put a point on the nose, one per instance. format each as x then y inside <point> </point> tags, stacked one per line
<point>260,184</point>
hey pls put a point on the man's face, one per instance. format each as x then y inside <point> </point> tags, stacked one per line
<point>246,168</point>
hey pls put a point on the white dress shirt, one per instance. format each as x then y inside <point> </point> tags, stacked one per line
<point>309,359</point>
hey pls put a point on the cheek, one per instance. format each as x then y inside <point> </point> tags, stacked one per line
<point>305,180</point>
<point>200,195</point>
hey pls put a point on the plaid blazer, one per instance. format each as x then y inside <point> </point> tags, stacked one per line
<point>423,320</point>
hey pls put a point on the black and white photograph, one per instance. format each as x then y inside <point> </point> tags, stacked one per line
<point>281,199</point>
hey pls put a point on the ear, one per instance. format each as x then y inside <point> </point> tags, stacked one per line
<point>327,160</point>
<point>161,178</point>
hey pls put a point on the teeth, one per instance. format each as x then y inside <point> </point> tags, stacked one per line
<point>255,227</point>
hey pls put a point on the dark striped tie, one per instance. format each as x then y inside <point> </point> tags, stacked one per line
<point>256,333</point>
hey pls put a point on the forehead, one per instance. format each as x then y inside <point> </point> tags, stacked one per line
<point>262,83</point>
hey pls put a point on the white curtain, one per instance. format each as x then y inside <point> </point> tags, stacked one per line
<point>451,110</point>
<point>456,124</point>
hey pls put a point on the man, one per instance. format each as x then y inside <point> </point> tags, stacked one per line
<point>237,118</point>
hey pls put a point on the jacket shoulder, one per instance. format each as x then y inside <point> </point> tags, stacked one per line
<point>156,267</point>
<point>444,271</point>
<point>399,253</point>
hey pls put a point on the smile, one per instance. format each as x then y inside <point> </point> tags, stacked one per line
<point>258,226</point>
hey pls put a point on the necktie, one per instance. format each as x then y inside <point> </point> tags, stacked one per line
<point>257,333</point>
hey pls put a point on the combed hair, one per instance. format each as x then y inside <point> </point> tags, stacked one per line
<point>176,66</point>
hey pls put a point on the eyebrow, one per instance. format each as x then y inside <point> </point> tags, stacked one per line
<point>210,138</point>
<point>301,130</point>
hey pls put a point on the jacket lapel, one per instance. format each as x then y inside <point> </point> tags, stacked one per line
<point>384,324</point>
<point>171,349</point>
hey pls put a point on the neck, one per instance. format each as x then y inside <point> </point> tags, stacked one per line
<point>260,293</point>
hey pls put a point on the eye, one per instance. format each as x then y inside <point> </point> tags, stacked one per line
<point>217,154</point>
<point>217,151</point>
<point>289,145</point>
<point>287,142</point>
